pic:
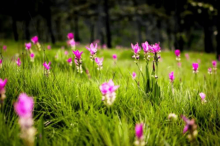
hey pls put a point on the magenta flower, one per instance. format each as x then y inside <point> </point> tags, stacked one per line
<point>48,47</point>
<point>32,55</point>
<point>47,66</point>
<point>155,48</point>
<point>136,48</point>
<point>210,70</point>
<point>18,62</point>
<point>2,84</point>
<point>202,95</point>
<point>179,64</point>
<point>99,62</point>
<point>139,129</point>
<point>114,56</point>
<point>134,75</point>
<point>190,126</point>
<point>28,46</point>
<point>72,43</point>
<point>92,49</point>
<point>171,77</point>
<point>4,47</point>
<point>70,36</point>
<point>0,63</point>
<point>24,106</point>
<point>66,52</point>
<point>34,39</point>
<point>214,63</point>
<point>195,67</point>
<point>69,61</point>
<point>77,54</point>
<point>145,47</point>
<point>177,53</point>
<point>104,46</point>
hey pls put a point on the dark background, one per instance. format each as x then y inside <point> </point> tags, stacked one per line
<point>176,24</point>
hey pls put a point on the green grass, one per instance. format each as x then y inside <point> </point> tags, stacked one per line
<point>70,107</point>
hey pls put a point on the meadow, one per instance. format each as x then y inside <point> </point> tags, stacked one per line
<point>68,107</point>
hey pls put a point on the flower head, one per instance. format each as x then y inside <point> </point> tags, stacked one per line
<point>48,47</point>
<point>34,39</point>
<point>4,47</point>
<point>70,35</point>
<point>145,47</point>
<point>24,106</point>
<point>114,56</point>
<point>177,53</point>
<point>139,129</point>
<point>32,55</point>
<point>72,43</point>
<point>47,66</point>
<point>190,126</point>
<point>187,56</point>
<point>3,84</point>
<point>66,52</point>
<point>134,75</point>
<point>69,60</point>
<point>171,77</point>
<point>18,62</point>
<point>77,54</point>
<point>155,48</point>
<point>210,70</point>
<point>214,63</point>
<point>202,95</point>
<point>195,67</point>
<point>135,48</point>
<point>99,62</point>
<point>28,46</point>
<point>0,61</point>
<point>92,49</point>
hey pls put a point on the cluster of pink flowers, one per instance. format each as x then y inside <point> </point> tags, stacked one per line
<point>195,67</point>
<point>32,57</point>
<point>190,126</point>
<point>78,60</point>
<point>99,62</point>
<point>0,63</point>
<point>171,77</point>
<point>139,132</point>
<point>2,90</point>
<point>24,108</point>
<point>92,49</point>
<point>108,92</point>
<point>18,62</point>
<point>71,41</point>
<point>47,67</point>
<point>28,46</point>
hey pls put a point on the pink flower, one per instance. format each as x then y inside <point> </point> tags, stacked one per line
<point>189,125</point>
<point>187,56</point>
<point>198,60</point>
<point>179,64</point>
<point>210,70</point>
<point>104,46</point>
<point>139,129</point>
<point>114,56</point>
<point>0,61</point>
<point>108,87</point>
<point>171,77</point>
<point>32,55</point>
<point>177,52</point>
<point>4,47</point>
<point>70,35</point>
<point>34,39</point>
<point>99,61</point>
<point>28,46</point>
<point>134,75</point>
<point>135,48</point>
<point>24,106</point>
<point>92,49</point>
<point>72,43</point>
<point>18,62</point>
<point>69,60</point>
<point>77,54</point>
<point>66,52</point>
<point>3,84</point>
<point>155,48</point>
<point>195,67</point>
<point>202,95</point>
<point>145,47</point>
<point>48,47</point>
<point>47,66</point>
<point>214,63</point>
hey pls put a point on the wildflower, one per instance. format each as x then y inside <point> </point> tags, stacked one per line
<point>66,52</point>
<point>0,63</point>
<point>2,90</point>
<point>18,62</point>
<point>48,47</point>
<point>87,72</point>
<point>47,67</point>
<point>177,53</point>
<point>32,57</point>
<point>139,132</point>
<point>99,62</point>
<point>34,39</point>
<point>5,47</point>
<point>70,36</point>
<point>78,60</point>
<point>214,63</point>
<point>136,50</point>
<point>202,95</point>
<point>108,92</point>
<point>28,46</point>
<point>172,116</point>
<point>179,64</point>
<point>171,77</point>
<point>72,43</point>
<point>134,75</point>
<point>69,61</point>
<point>24,108</point>
<point>114,56</point>
<point>195,67</point>
<point>210,70</point>
<point>146,49</point>
<point>155,48</point>
<point>92,49</point>
<point>187,56</point>
<point>190,126</point>
<point>104,46</point>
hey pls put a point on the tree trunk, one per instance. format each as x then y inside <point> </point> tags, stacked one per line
<point>208,37</point>
<point>107,23</point>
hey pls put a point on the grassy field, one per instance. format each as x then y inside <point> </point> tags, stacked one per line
<point>68,107</point>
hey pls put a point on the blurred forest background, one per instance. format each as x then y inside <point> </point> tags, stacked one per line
<point>176,24</point>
